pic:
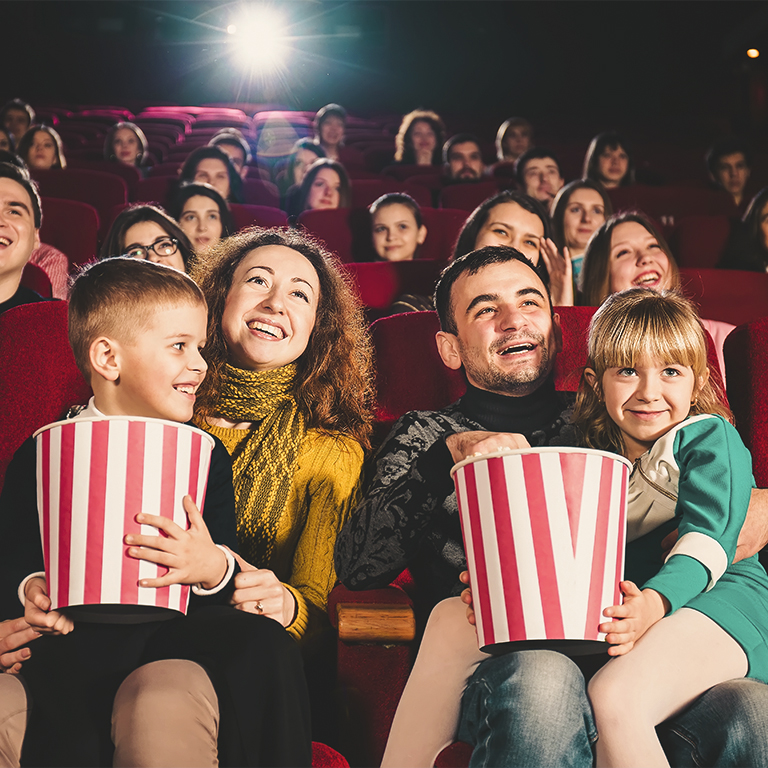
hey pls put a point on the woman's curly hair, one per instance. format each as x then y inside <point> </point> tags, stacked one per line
<point>334,380</point>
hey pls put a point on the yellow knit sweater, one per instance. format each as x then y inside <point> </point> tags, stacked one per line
<point>325,490</point>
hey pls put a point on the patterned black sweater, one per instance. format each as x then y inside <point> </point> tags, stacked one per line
<point>409,516</point>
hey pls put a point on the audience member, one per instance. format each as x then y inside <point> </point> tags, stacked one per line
<point>41,148</point>
<point>210,165</point>
<point>7,143</point>
<point>329,125</point>
<point>516,220</point>
<point>609,161</point>
<point>233,144</point>
<point>748,247</point>
<point>578,209</point>
<point>627,251</point>
<point>539,175</point>
<point>17,116</point>
<point>729,163</point>
<point>514,137</point>
<point>202,214</point>
<point>420,138</point>
<point>132,322</point>
<point>396,227</point>
<point>20,219</point>
<point>148,232</point>
<point>325,185</point>
<point>126,143</point>
<point>290,176</point>
<point>463,159</point>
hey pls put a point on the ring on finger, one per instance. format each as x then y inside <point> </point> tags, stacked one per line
<point>259,607</point>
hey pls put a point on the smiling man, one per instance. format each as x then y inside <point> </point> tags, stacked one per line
<point>20,217</point>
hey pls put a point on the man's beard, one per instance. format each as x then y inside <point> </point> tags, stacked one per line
<point>518,382</point>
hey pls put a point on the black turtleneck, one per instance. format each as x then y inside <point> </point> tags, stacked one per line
<point>525,415</point>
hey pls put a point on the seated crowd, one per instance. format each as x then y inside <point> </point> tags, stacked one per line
<point>192,306</point>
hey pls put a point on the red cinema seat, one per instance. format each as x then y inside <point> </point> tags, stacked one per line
<point>72,227</point>
<point>443,227</point>
<point>34,278</point>
<point>130,174</point>
<point>379,283</point>
<point>729,295</point>
<point>365,191</point>
<point>404,172</point>
<point>746,365</point>
<point>101,190</point>
<point>700,240</point>
<point>670,204</point>
<point>39,380</point>
<point>259,192</point>
<point>466,197</point>
<point>155,189</point>
<point>345,231</point>
<point>257,215</point>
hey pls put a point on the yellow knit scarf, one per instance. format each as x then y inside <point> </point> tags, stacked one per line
<point>263,466</point>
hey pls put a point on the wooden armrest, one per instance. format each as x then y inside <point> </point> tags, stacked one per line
<point>365,623</point>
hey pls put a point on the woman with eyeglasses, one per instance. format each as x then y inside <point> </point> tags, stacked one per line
<point>148,232</point>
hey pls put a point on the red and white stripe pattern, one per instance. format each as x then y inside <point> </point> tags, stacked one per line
<point>93,477</point>
<point>544,532</point>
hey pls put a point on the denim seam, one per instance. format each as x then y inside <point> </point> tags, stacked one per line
<point>687,737</point>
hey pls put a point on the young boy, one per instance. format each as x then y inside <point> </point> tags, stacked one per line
<point>137,330</point>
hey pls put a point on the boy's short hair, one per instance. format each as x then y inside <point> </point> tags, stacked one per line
<point>116,298</point>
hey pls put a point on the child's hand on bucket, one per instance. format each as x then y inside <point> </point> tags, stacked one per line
<point>37,611</point>
<point>466,597</point>
<point>633,618</point>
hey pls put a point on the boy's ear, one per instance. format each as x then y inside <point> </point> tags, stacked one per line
<point>591,379</point>
<point>448,348</point>
<point>103,357</point>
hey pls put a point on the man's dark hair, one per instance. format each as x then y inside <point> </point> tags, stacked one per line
<point>534,153</point>
<point>729,146</point>
<point>233,138</point>
<point>459,138</point>
<point>21,176</point>
<point>471,263</point>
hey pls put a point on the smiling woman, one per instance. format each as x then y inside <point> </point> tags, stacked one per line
<point>288,392</point>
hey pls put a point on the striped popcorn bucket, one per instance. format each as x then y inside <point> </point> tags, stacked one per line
<point>544,532</point>
<point>94,475</point>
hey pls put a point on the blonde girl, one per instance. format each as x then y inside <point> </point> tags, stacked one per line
<point>698,619</point>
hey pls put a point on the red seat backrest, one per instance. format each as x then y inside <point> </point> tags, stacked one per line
<point>345,231</point>
<point>730,295</point>
<point>36,279</point>
<point>155,189</point>
<point>672,201</point>
<point>443,227</point>
<point>259,192</point>
<point>379,283</point>
<point>700,240</point>
<point>259,215</point>
<point>365,191</point>
<point>466,197</point>
<point>39,380</point>
<point>72,227</point>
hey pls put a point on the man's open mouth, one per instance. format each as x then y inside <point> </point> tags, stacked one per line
<point>518,349</point>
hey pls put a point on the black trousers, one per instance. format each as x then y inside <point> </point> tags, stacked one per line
<point>254,665</point>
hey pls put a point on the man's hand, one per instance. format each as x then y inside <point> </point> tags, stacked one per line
<point>15,633</point>
<point>38,613</point>
<point>636,615</point>
<point>464,444</point>
<point>190,556</point>
<point>754,532</point>
<point>466,597</point>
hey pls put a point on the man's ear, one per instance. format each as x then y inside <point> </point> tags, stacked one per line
<point>558,331</point>
<point>448,348</point>
<point>103,357</point>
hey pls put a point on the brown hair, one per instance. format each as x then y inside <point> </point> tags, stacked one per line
<point>596,272</point>
<point>117,297</point>
<point>632,325</point>
<point>404,144</point>
<point>333,385</point>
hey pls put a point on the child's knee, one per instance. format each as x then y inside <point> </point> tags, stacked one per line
<point>448,625</point>
<point>609,695</point>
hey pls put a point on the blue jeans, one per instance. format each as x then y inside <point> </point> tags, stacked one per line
<point>530,708</point>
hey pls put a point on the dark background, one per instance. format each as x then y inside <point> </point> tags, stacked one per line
<point>573,65</point>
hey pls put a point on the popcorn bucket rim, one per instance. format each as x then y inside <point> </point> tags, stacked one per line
<point>147,420</point>
<point>533,451</point>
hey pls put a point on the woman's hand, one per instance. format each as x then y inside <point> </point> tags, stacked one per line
<point>14,633</point>
<point>258,590</point>
<point>637,614</point>
<point>560,273</point>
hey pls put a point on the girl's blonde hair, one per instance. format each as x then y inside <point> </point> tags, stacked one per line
<point>629,327</point>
